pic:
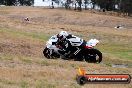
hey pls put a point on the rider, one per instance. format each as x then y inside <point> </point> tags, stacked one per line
<point>64,42</point>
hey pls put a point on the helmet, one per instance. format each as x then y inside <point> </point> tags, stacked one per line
<point>62,35</point>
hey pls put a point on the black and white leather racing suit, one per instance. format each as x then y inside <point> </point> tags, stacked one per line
<point>70,46</point>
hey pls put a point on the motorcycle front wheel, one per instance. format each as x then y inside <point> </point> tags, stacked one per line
<point>46,53</point>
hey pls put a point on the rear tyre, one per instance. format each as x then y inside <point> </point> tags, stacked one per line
<point>93,55</point>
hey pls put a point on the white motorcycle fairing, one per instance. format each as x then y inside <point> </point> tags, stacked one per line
<point>92,42</point>
<point>49,44</point>
<point>75,41</point>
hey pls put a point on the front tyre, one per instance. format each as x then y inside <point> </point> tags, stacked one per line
<point>93,55</point>
<point>46,53</point>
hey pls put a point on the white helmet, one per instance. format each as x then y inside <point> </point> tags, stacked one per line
<point>63,33</point>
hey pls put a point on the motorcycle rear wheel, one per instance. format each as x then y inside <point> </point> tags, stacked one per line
<point>93,55</point>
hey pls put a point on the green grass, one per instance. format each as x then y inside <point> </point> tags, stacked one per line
<point>124,54</point>
<point>25,59</point>
<point>44,84</point>
<point>34,35</point>
<point>7,82</point>
<point>118,50</point>
<point>44,63</point>
<point>9,57</point>
<point>24,84</point>
<point>6,57</point>
<point>108,64</point>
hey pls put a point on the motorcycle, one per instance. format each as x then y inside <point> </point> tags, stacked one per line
<point>87,52</point>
